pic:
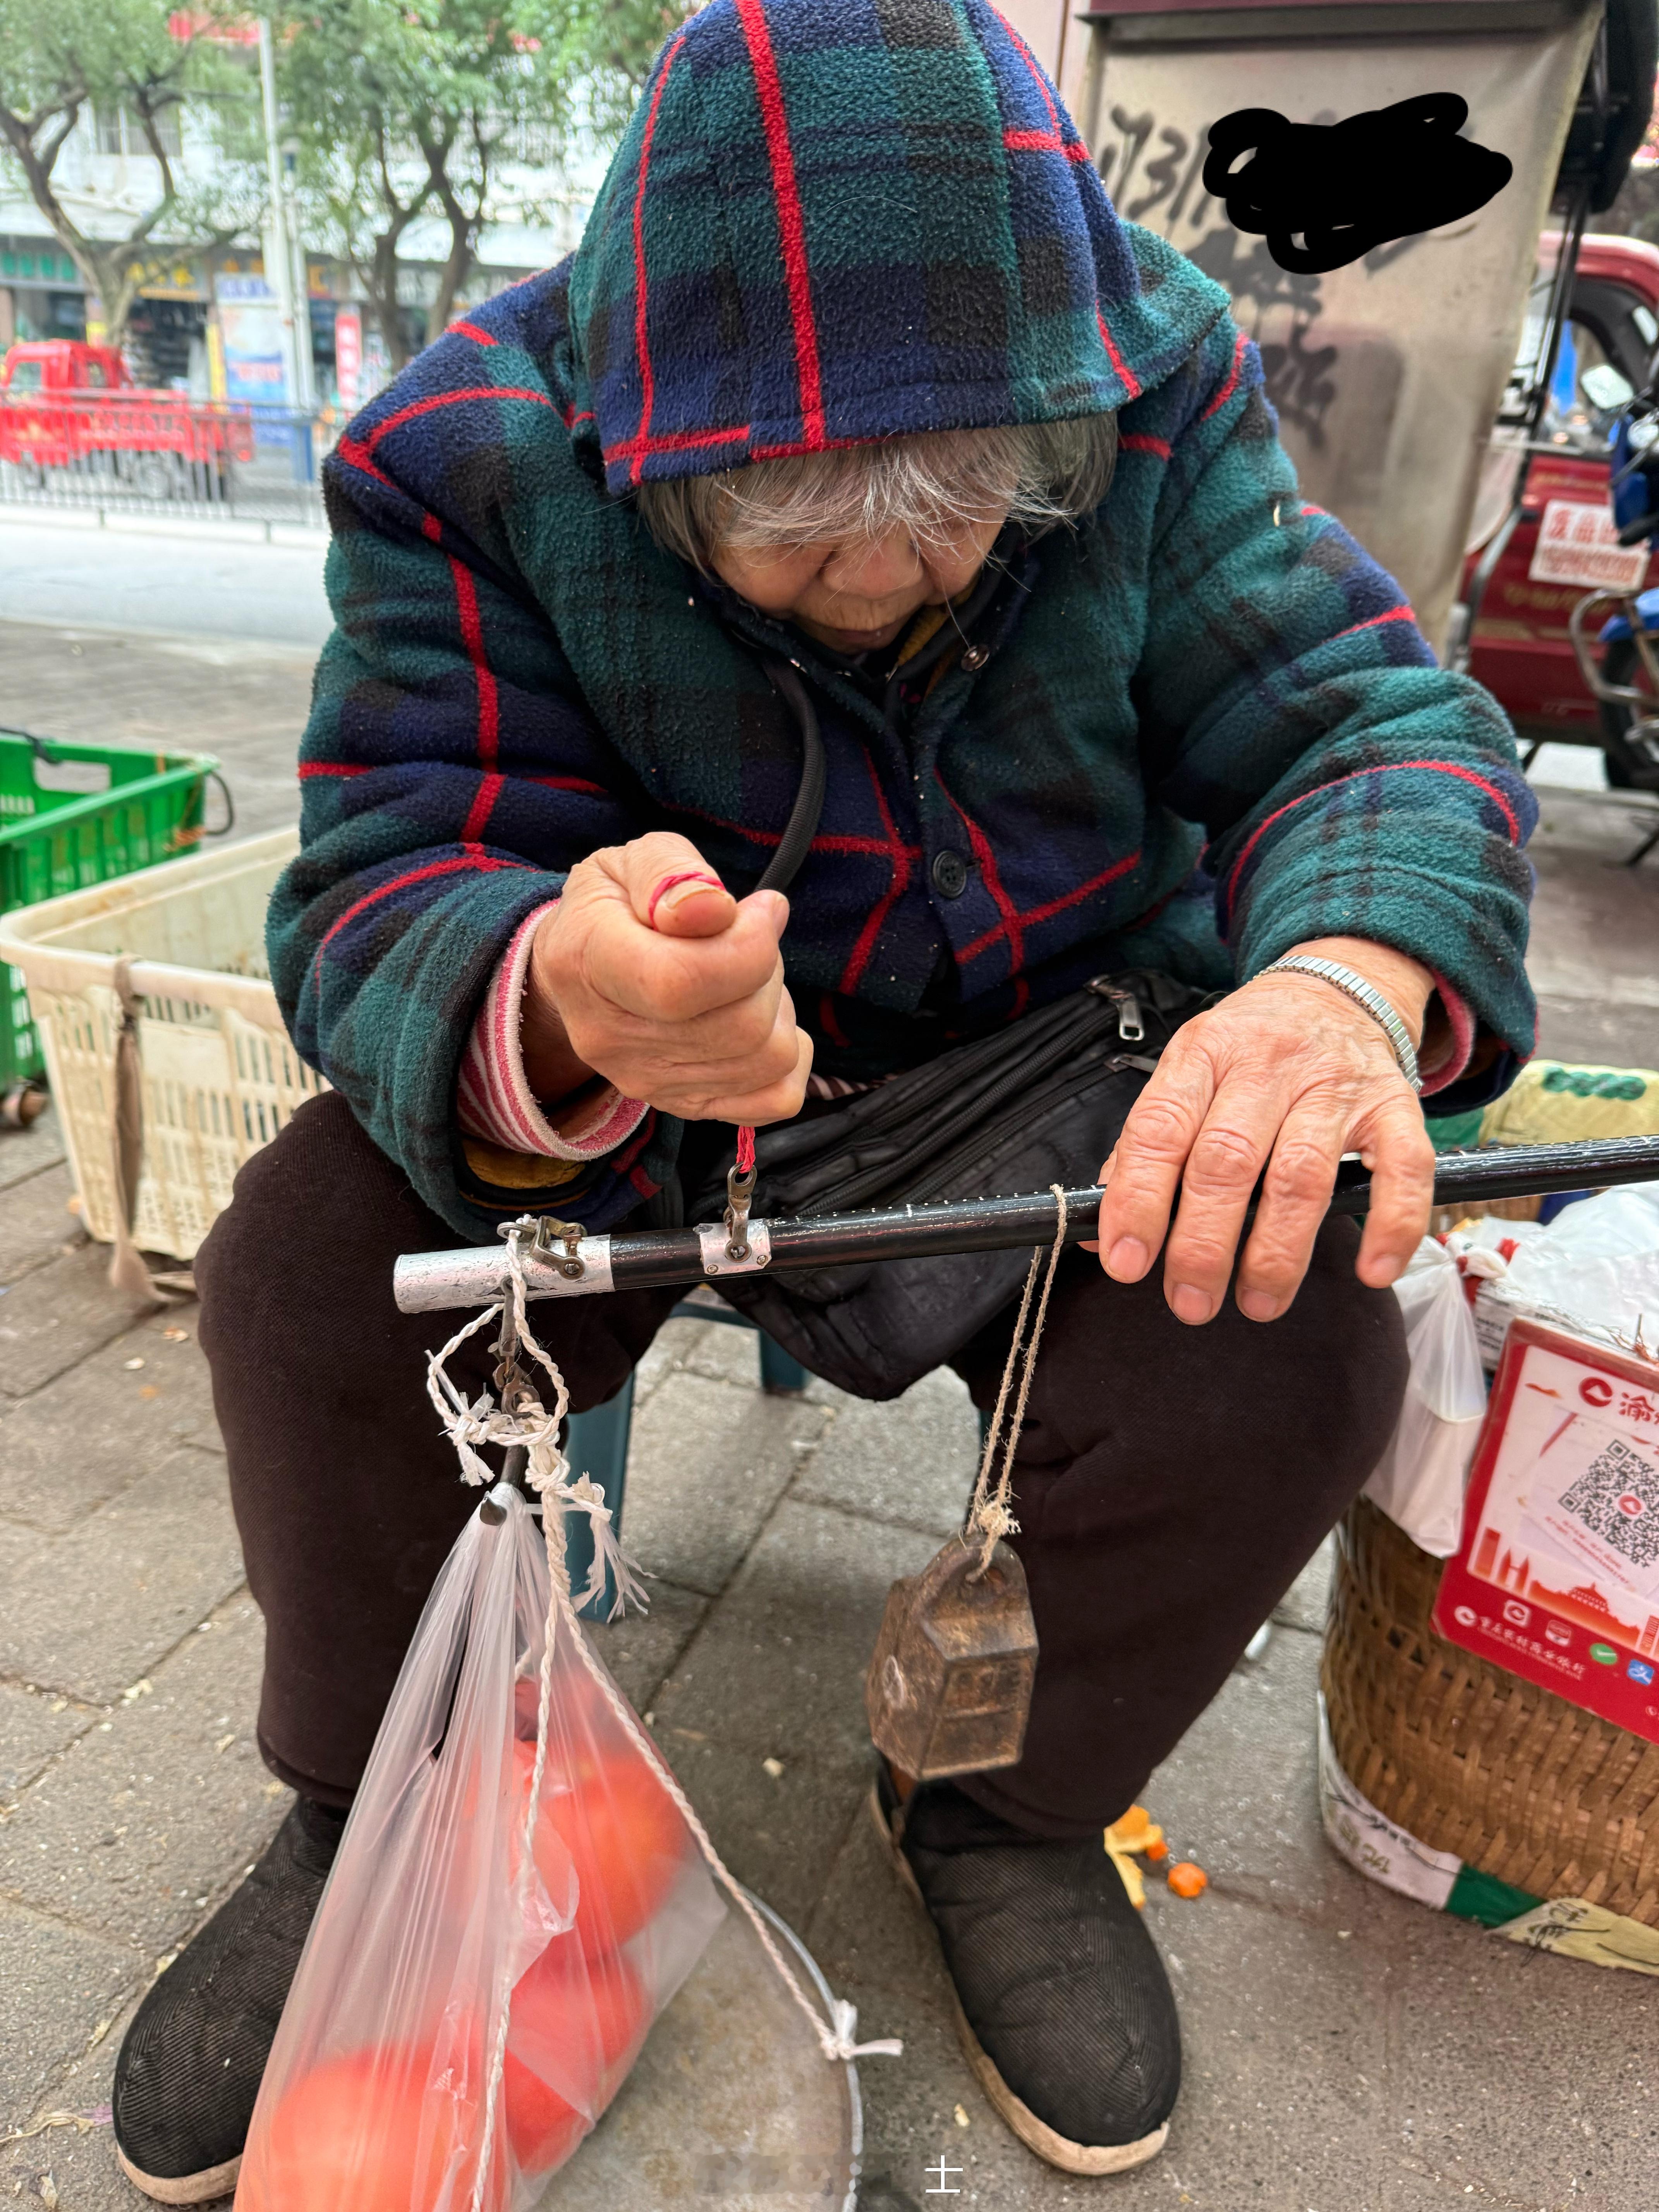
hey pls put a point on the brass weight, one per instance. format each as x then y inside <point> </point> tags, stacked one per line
<point>949,1689</point>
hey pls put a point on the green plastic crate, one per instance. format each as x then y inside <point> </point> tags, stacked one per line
<point>72,815</point>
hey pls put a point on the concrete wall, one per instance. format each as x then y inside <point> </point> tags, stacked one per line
<point>1058,35</point>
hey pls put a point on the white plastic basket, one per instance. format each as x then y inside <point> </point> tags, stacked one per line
<point>220,1077</point>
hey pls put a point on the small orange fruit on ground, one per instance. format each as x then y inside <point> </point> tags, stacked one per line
<point>1187,1879</point>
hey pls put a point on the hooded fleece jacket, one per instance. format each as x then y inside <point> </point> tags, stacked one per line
<point>1197,730</point>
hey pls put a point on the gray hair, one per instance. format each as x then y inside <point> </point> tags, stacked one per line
<point>931,485</point>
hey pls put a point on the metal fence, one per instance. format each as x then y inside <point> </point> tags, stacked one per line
<point>160,452</point>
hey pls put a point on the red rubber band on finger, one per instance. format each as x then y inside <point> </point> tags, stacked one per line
<point>668,883</point>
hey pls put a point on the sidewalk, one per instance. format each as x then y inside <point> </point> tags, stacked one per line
<point>1346,2051</point>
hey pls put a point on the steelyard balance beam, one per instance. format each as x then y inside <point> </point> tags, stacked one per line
<point>560,1263</point>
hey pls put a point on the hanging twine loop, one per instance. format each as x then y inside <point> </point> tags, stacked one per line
<point>519,1418</point>
<point>989,1517</point>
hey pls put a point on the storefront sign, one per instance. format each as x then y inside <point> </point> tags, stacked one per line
<point>1578,543</point>
<point>251,330</point>
<point>1556,1577</point>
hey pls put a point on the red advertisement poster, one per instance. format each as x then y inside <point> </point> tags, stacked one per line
<point>1556,1577</point>
<point>348,357</point>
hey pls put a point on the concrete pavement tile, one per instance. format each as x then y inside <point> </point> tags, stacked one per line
<point>33,1724</point>
<point>240,699</point>
<point>779,1834</point>
<point>716,1349</point>
<point>59,1983</point>
<point>669,1353</point>
<point>910,1461</point>
<point>777,1666</point>
<point>640,1649</point>
<point>35,1222</point>
<point>80,2160</point>
<point>865,1927</point>
<point>1522,2079</point>
<point>76,1442</point>
<point>24,1152</point>
<point>154,1815</point>
<point>94,1610</point>
<point>18,1548</point>
<point>56,1317</point>
<point>1239,1794</point>
<point>708,1463</point>
<point>1303,1604</point>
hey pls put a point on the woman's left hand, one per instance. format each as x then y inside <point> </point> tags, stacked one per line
<point>1286,1074</point>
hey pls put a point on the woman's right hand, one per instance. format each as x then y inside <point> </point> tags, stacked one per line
<point>650,973</point>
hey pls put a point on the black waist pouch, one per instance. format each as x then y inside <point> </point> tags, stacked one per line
<point>1039,1103</point>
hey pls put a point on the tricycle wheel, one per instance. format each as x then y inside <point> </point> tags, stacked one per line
<point>1629,744</point>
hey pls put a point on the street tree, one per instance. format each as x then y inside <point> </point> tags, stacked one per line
<point>456,110</point>
<point>405,109</point>
<point>64,61</point>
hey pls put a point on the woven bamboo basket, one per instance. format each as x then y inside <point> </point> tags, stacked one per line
<point>1467,1758</point>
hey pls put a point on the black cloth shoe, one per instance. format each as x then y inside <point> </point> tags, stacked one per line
<point>191,2062</point>
<point>1062,2005</point>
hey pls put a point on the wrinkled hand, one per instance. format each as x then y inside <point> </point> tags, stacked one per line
<point>1285,1074</point>
<point>670,990</point>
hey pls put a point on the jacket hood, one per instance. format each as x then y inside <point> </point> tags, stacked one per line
<point>834,221</point>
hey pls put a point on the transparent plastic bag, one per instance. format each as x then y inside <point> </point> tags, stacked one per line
<point>522,1884</point>
<point>378,2093</point>
<point>1419,1481</point>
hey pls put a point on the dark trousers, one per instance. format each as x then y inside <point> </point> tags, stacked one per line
<point>1170,1483</point>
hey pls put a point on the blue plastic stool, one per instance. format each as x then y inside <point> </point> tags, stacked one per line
<point>596,1443</point>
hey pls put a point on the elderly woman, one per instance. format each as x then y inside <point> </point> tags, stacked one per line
<point>855,370</point>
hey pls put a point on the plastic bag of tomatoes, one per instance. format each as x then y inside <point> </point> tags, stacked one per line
<point>492,1944</point>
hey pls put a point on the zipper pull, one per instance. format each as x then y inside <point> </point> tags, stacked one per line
<point>1130,1027</point>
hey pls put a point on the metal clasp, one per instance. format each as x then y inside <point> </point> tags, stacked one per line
<point>739,1196</point>
<point>714,1242</point>
<point>549,1231</point>
<point>561,1249</point>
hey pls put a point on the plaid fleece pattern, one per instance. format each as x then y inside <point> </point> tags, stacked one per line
<point>1206,666</point>
<point>836,223</point>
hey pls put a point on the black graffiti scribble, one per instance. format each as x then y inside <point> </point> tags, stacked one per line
<point>1343,188</point>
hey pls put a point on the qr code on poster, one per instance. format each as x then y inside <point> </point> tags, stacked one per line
<point>1617,1498</point>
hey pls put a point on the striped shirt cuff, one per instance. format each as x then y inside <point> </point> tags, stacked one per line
<point>493,1099</point>
<point>1453,1056</point>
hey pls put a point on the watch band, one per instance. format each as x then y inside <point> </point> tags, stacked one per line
<point>1364,994</point>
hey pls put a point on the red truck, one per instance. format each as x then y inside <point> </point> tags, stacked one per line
<point>66,405</point>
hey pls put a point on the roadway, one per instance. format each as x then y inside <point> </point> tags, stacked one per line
<point>193,580</point>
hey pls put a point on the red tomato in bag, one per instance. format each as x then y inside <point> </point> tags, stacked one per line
<point>624,1833</point>
<point>577,2024</point>
<point>365,2132</point>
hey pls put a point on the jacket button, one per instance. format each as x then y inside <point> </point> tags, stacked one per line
<point>976,657</point>
<point>949,874</point>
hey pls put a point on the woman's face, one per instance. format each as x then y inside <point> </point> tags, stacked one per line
<point>856,595</point>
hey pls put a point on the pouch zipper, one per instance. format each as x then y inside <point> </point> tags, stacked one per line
<point>1130,1027</point>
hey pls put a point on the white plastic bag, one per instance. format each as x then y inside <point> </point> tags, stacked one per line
<point>377,2095</point>
<point>1419,1481</point>
<point>1594,1271</point>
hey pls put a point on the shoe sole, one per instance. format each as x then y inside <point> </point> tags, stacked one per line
<point>1036,2135</point>
<point>190,2188</point>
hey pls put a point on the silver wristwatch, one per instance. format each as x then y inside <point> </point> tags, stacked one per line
<point>1362,994</point>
